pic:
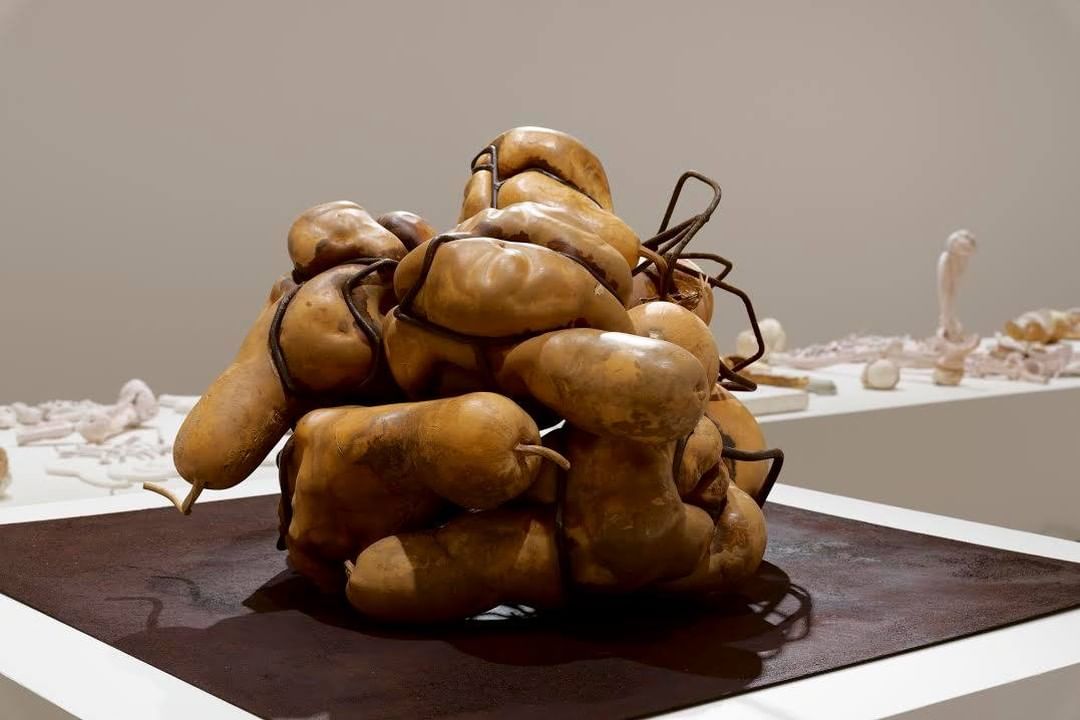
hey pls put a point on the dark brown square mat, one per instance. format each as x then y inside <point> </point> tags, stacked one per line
<point>208,599</point>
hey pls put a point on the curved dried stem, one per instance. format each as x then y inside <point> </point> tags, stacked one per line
<point>184,506</point>
<point>349,567</point>
<point>544,452</point>
<point>655,258</point>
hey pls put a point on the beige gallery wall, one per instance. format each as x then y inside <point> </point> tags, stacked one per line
<point>153,154</point>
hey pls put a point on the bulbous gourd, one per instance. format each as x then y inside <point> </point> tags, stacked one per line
<point>497,288</point>
<point>610,383</point>
<point>690,291</point>
<point>408,227</point>
<point>556,229</point>
<point>335,232</point>
<point>735,552</point>
<point>667,321</point>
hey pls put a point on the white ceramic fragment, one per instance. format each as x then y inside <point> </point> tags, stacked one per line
<point>27,414</point>
<point>136,405</point>
<point>53,430</point>
<point>880,374</point>
<point>7,417</point>
<point>772,334</point>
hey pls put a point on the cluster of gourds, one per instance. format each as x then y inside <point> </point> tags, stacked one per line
<point>417,369</point>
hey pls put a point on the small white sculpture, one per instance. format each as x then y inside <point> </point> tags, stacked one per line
<point>954,346</point>
<point>947,351</point>
<point>952,263</point>
<point>1020,360</point>
<point>7,417</point>
<point>881,374</point>
<point>773,335</point>
<point>27,414</point>
<point>136,405</point>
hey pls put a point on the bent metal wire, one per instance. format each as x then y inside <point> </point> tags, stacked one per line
<point>670,244</point>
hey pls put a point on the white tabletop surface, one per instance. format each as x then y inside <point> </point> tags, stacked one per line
<point>69,669</point>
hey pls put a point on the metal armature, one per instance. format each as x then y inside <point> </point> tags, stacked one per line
<point>670,243</point>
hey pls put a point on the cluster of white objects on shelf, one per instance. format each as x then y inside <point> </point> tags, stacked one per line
<point>112,448</point>
<point>950,352</point>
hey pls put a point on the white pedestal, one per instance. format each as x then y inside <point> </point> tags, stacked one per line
<point>994,451</point>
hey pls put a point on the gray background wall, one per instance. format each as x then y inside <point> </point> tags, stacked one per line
<point>153,155</point>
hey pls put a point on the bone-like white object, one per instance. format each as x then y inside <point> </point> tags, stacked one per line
<point>86,477</point>
<point>27,414</point>
<point>880,374</point>
<point>955,346</point>
<point>68,410</point>
<point>136,405</point>
<point>44,431</point>
<point>7,417</point>
<point>138,474</point>
<point>772,333</point>
<point>952,263</point>
<point>1019,360</point>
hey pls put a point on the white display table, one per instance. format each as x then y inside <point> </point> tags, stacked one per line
<point>48,669</point>
<point>31,484</point>
<point>989,450</point>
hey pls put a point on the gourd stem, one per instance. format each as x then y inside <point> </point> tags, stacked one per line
<point>349,567</point>
<point>184,506</point>
<point>546,453</point>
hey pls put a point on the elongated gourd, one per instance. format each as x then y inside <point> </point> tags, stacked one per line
<point>625,523</point>
<point>238,420</point>
<point>247,409</point>
<point>470,565</point>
